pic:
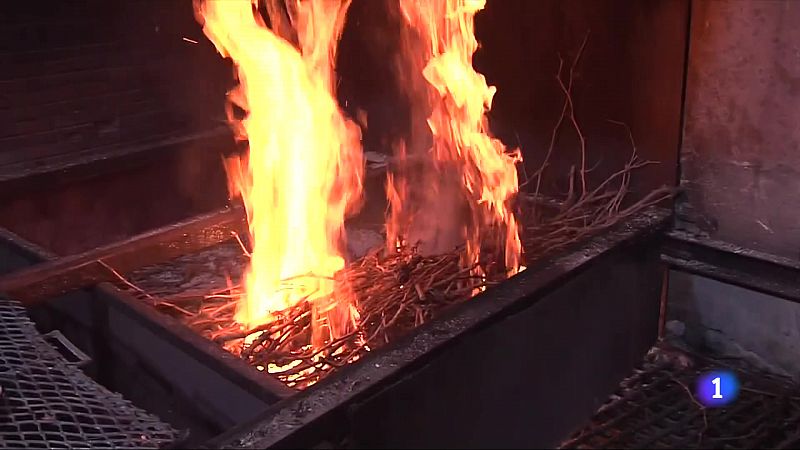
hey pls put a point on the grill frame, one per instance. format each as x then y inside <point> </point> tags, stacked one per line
<point>48,401</point>
<point>731,264</point>
<point>350,407</point>
<point>338,408</point>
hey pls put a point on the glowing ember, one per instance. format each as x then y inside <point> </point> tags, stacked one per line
<point>468,169</point>
<point>303,170</point>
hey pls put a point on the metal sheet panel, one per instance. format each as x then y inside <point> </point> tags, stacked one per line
<point>740,161</point>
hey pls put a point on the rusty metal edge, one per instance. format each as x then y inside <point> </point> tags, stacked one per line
<point>65,274</point>
<point>729,263</point>
<point>259,384</point>
<point>28,250</point>
<point>87,164</point>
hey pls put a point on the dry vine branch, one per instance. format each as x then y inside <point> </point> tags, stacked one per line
<point>583,211</point>
<point>566,109</point>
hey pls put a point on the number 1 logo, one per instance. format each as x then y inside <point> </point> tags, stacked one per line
<point>717,388</point>
<point>717,381</point>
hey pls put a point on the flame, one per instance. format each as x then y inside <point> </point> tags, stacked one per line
<point>396,193</point>
<point>440,42</point>
<point>303,169</point>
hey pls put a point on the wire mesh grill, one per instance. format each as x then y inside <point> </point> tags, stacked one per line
<point>47,403</point>
<point>655,408</point>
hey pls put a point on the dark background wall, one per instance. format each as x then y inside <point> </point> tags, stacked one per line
<point>631,71</point>
<point>99,103</point>
<point>87,75</point>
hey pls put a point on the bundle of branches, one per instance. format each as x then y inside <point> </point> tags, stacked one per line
<point>588,213</point>
<point>395,291</point>
<point>583,211</point>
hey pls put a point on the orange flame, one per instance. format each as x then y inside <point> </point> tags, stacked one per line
<point>304,166</point>
<point>456,101</point>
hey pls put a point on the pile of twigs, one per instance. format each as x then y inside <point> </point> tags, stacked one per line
<point>395,291</point>
<point>576,218</point>
<point>398,290</point>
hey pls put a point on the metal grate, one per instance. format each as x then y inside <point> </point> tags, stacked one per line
<point>656,408</point>
<point>47,403</point>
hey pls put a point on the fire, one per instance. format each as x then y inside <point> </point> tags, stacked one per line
<point>467,169</point>
<point>302,173</point>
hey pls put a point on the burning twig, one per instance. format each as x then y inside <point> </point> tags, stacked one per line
<point>241,244</point>
<point>395,292</point>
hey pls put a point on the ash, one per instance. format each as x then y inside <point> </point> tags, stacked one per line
<point>201,272</point>
<point>212,269</point>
